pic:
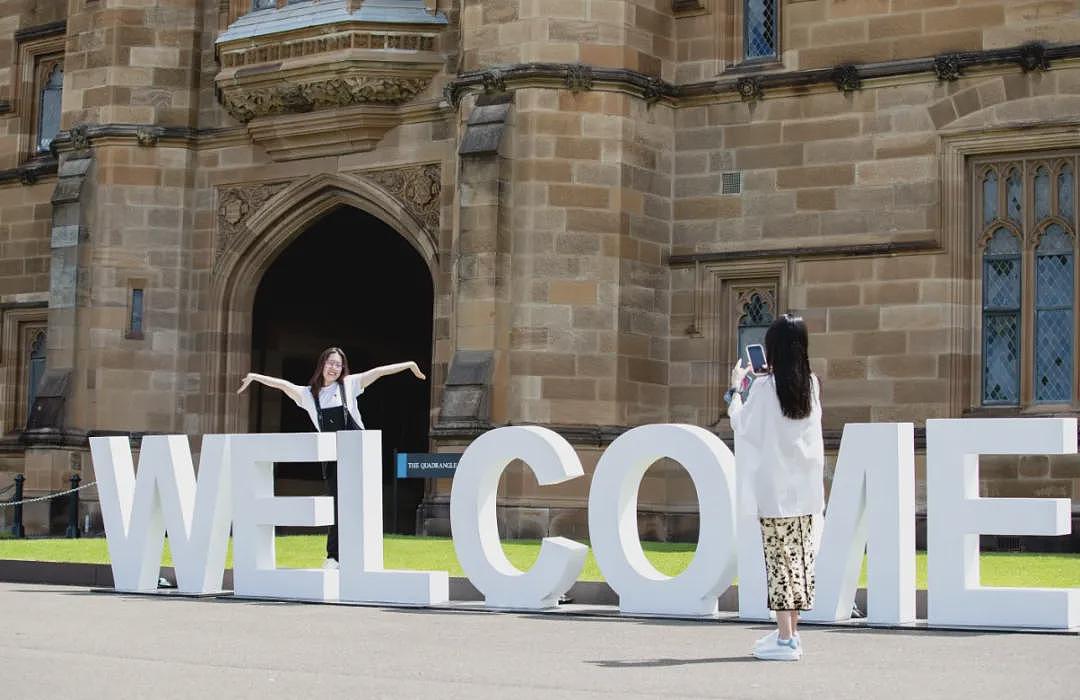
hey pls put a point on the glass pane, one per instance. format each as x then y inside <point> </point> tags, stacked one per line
<point>1015,195</point>
<point>990,197</point>
<point>1042,193</point>
<point>756,312</point>
<point>759,28</point>
<point>1065,193</point>
<point>136,310</point>
<point>1001,358</point>
<point>1054,271</point>
<point>49,108</point>
<point>1053,355</point>
<point>1001,284</point>
<point>264,4</point>
<point>748,335</point>
<point>1003,242</point>
<point>37,369</point>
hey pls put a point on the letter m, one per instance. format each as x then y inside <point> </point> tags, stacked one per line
<point>164,496</point>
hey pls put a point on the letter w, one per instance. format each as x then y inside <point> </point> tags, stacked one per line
<point>164,496</point>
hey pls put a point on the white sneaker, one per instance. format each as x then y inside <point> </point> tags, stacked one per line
<point>781,651</point>
<point>770,639</point>
<point>331,564</point>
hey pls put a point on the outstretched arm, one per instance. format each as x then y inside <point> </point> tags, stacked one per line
<point>291,390</point>
<point>366,378</point>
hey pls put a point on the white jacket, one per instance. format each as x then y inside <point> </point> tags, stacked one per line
<point>784,457</point>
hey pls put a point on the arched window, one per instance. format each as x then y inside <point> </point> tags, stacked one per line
<point>35,370</point>
<point>1026,220</point>
<point>49,99</point>
<point>756,313</point>
<point>1054,273</point>
<point>1001,318</point>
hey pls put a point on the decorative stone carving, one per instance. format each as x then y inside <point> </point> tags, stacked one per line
<point>291,98</point>
<point>1033,57</point>
<point>28,176</point>
<point>417,187</point>
<point>653,91</point>
<point>579,78</point>
<point>281,48</point>
<point>493,81</point>
<point>846,78</point>
<point>948,67</point>
<point>750,89</point>
<point>452,94</point>
<point>80,137</point>
<point>235,205</point>
<point>146,136</point>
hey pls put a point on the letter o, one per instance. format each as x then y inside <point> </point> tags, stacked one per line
<point>613,527</point>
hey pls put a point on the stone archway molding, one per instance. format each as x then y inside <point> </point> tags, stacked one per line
<point>253,247</point>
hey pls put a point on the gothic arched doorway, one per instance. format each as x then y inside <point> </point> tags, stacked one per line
<point>348,280</point>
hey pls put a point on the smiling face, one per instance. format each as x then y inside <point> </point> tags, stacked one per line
<point>331,370</point>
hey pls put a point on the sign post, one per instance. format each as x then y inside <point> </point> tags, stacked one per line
<point>422,465</point>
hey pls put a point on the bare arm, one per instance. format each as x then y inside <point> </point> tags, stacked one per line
<point>366,378</point>
<point>291,390</point>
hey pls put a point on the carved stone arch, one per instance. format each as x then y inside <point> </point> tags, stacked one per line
<point>240,267</point>
<point>993,227</point>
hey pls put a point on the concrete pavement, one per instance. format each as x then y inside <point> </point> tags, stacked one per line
<point>70,642</point>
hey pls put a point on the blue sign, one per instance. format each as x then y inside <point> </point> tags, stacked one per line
<point>426,465</point>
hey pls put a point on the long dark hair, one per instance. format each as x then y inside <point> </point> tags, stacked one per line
<point>316,382</point>
<point>786,346</point>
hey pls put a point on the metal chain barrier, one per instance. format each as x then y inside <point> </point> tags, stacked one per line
<point>4,504</point>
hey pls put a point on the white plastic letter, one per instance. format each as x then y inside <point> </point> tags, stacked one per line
<point>473,523</point>
<point>956,515</point>
<point>872,509</point>
<point>137,510</point>
<point>613,520</point>
<point>256,512</point>
<point>363,578</point>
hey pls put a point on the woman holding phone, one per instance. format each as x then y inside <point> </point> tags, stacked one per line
<point>329,399</point>
<point>779,429</point>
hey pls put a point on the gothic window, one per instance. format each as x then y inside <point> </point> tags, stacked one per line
<point>50,91</point>
<point>35,369</point>
<point>756,312</point>
<point>1028,250</point>
<point>760,29</point>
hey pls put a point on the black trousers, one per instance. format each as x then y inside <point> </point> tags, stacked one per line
<point>330,470</point>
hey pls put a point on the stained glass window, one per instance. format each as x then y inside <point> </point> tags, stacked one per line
<point>755,315</point>
<point>1015,195</point>
<point>35,370</point>
<point>1054,274</point>
<point>990,197</point>
<point>760,24</point>
<point>1001,318</point>
<point>1042,193</point>
<point>1065,192</point>
<point>49,107</point>
<point>136,320</point>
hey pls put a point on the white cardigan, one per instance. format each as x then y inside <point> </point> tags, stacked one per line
<point>784,457</point>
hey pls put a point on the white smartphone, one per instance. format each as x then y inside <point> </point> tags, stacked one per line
<point>755,355</point>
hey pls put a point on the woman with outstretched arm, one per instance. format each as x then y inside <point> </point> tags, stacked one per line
<point>330,401</point>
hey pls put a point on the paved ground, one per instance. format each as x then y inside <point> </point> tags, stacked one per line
<point>70,642</point>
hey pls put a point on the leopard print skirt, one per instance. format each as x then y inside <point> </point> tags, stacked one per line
<point>789,561</point>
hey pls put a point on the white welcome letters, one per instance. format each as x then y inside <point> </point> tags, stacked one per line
<point>871,507</point>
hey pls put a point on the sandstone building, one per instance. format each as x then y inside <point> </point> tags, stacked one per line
<point>574,213</point>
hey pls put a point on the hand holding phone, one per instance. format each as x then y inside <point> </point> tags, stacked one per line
<point>755,355</point>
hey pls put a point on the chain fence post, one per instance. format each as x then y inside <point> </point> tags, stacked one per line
<point>17,529</point>
<point>73,509</point>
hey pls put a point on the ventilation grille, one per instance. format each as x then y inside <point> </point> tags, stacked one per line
<point>731,183</point>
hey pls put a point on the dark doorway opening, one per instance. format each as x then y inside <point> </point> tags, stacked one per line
<point>351,281</point>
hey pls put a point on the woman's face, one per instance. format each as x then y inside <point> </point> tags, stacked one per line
<point>331,369</point>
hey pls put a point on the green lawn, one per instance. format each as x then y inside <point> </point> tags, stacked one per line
<point>435,553</point>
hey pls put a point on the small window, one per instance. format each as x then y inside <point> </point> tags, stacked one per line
<point>760,30</point>
<point>48,106</point>
<point>135,314</point>
<point>35,370</point>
